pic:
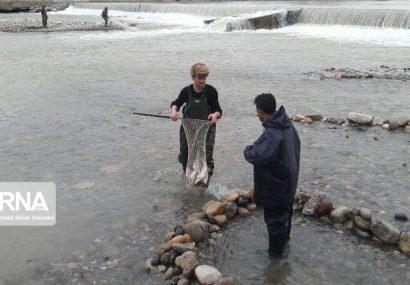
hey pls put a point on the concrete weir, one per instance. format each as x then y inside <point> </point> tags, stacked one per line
<point>255,22</point>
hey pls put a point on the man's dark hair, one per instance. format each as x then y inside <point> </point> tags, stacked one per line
<point>266,102</point>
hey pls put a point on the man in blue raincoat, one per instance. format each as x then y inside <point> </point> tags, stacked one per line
<point>275,156</point>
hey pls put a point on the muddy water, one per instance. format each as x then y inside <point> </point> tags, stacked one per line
<point>66,103</point>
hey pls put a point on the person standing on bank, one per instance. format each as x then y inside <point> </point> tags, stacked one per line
<point>104,15</point>
<point>201,102</point>
<point>44,16</point>
<point>275,156</point>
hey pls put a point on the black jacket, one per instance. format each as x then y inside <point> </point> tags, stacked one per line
<point>275,156</point>
<point>211,96</point>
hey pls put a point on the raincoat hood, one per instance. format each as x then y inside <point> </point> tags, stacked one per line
<point>279,120</point>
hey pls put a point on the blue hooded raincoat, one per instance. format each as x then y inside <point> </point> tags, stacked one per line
<point>275,156</point>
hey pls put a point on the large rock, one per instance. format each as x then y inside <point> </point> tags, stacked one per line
<point>338,215</point>
<point>195,216</point>
<point>361,119</point>
<point>385,231</point>
<point>215,208</point>
<point>188,262</point>
<point>207,275</point>
<point>232,197</point>
<point>230,209</point>
<point>198,230</point>
<point>407,129</point>
<point>361,223</point>
<point>365,213</point>
<point>404,243</point>
<point>324,208</point>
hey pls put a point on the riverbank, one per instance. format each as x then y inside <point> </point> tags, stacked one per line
<point>29,22</point>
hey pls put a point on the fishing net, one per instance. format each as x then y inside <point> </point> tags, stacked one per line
<point>196,131</point>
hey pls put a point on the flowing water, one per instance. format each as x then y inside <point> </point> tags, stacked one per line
<point>67,99</point>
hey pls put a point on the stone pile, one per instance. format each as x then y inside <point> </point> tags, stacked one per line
<point>356,119</point>
<point>381,72</point>
<point>359,221</point>
<point>178,258</point>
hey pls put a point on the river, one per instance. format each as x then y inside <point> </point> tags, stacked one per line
<point>67,99</point>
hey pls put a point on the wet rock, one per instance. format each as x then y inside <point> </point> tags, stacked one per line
<point>220,220</point>
<point>169,273</point>
<point>407,129</point>
<point>156,260</point>
<point>169,236</point>
<point>365,213</point>
<point>214,228</point>
<point>198,230</point>
<point>310,205</point>
<point>179,230</point>
<point>243,212</point>
<point>360,119</point>
<point>177,271</point>
<point>324,208</point>
<point>207,275</point>
<point>403,122</point>
<point>361,223</point>
<point>230,209</point>
<point>393,125</point>
<point>385,231</point>
<point>307,121</point>
<point>177,239</point>
<point>242,202</point>
<point>300,200</point>
<point>251,207</point>
<point>165,259</point>
<point>361,233</point>
<point>188,264</point>
<point>401,217</point>
<point>215,208</point>
<point>404,243</point>
<point>351,213</point>
<point>196,216</point>
<point>330,120</point>
<point>183,281</point>
<point>148,264</point>
<point>232,197</point>
<point>338,215</point>
<point>183,247</point>
<point>317,117</point>
<point>377,241</point>
<point>248,195</point>
<point>325,220</point>
<point>349,225</point>
<point>174,254</point>
<point>297,118</point>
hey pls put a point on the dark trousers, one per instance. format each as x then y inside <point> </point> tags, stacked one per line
<point>44,23</point>
<point>209,147</point>
<point>278,222</point>
<point>106,21</point>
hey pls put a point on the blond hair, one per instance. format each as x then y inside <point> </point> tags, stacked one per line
<point>199,68</point>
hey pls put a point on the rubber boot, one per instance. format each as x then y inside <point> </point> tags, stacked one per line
<point>277,242</point>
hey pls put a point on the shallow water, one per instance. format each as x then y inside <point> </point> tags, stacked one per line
<point>67,100</point>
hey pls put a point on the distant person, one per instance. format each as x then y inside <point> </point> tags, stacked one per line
<point>44,16</point>
<point>275,156</point>
<point>104,15</point>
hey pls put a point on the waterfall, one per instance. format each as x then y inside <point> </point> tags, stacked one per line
<point>399,19</point>
<point>202,9</point>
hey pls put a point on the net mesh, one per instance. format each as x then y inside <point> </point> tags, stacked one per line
<point>196,131</point>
